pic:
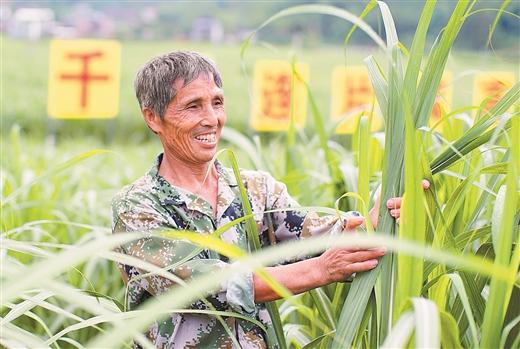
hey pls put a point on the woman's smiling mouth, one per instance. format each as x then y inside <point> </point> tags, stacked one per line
<point>207,138</point>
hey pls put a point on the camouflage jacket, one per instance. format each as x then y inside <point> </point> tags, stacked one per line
<point>152,203</point>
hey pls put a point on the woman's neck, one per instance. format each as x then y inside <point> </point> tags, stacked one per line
<point>197,178</point>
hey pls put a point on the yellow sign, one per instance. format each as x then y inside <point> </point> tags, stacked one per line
<point>276,91</point>
<point>443,99</point>
<point>491,86</point>
<point>84,79</point>
<point>352,95</point>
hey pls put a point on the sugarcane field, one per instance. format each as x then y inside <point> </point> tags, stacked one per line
<point>260,174</point>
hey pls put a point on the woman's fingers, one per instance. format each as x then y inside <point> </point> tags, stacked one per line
<point>363,266</point>
<point>394,203</point>
<point>353,222</point>
<point>395,213</point>
<point>339,263</point>
<point>365,255</point>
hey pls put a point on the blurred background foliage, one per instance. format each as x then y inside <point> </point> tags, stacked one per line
<point>147,29</point>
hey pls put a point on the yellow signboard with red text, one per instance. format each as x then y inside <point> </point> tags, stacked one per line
<point>489,87</point>
<point>443,100</point>
<point>278,94</point>
<point>352,95</point>
<point>84,79</point>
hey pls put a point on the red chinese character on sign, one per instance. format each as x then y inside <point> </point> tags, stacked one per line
<point>276,94</point>
<point>494,90</point>
<point>84,77</point>
<point>437,107</point>
<point>358,93</point>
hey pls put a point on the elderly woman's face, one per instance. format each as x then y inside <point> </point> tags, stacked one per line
<point>193,121</point>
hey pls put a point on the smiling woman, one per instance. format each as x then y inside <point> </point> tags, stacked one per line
<point>182,101</point>
<point>189,132</point>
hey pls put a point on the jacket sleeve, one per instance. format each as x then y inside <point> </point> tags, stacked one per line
<point>181,258</point>
<point>292,223</point>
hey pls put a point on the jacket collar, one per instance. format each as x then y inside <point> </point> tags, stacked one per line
<point>169,194</point>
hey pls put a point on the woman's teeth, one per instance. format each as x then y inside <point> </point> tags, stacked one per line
<point>207,138</point>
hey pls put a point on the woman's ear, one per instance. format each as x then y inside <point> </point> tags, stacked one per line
<point>152,120</point>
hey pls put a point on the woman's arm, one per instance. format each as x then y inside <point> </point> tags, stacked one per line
<point>333,265</point>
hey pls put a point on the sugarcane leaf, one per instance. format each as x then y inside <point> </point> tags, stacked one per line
<point>450,331</point>
<point>432,74</point>
<point>496,217</point>
<point>378,82</point>
<point>500,290</point>
<point>401,332</point>
<point>480,133</point>
<point>324,306</point>
<point>461,290</point>
<point>427,323</point>
<point>495,21</point>
<point>368,8</point>
<point>317,9</point>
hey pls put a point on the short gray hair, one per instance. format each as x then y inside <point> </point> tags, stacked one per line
<point>153,83</point>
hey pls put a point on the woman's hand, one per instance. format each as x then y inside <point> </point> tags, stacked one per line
<point>338,264</point>
<point>393,204</point>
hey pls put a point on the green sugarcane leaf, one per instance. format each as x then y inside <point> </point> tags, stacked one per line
<point>462,240</point>
<point>500,168</point>
<point>317,341</point>
<point>363,141</point>
<point>461,291</point>
<point>401,332</point>
<point>496,217</point>
<point>317,9</point>
<point>324,306</point>
<point>413,221</point>
<point>478,134</point>
<point>417,50</point>
<point>495,22</point>
<point>354,307</point>
<point>432,74</point>
<point>290,156</point>
<point>507,330</point>
<point>254,241</point>
<point>427,323</point>
<point>500,290</point>
<point>378,82</point>
<point>16,337</point>
<point>450,331</point>
<point>370,6</point>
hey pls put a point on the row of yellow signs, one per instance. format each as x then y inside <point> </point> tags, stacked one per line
<point>84,83</point>
<point>351,95</point>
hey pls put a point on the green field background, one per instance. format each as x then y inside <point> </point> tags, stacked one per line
<point>44,142</point>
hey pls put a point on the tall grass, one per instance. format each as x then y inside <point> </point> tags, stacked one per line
<point>451,278</point>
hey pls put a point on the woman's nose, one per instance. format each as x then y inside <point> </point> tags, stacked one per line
<point>211,117</point>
